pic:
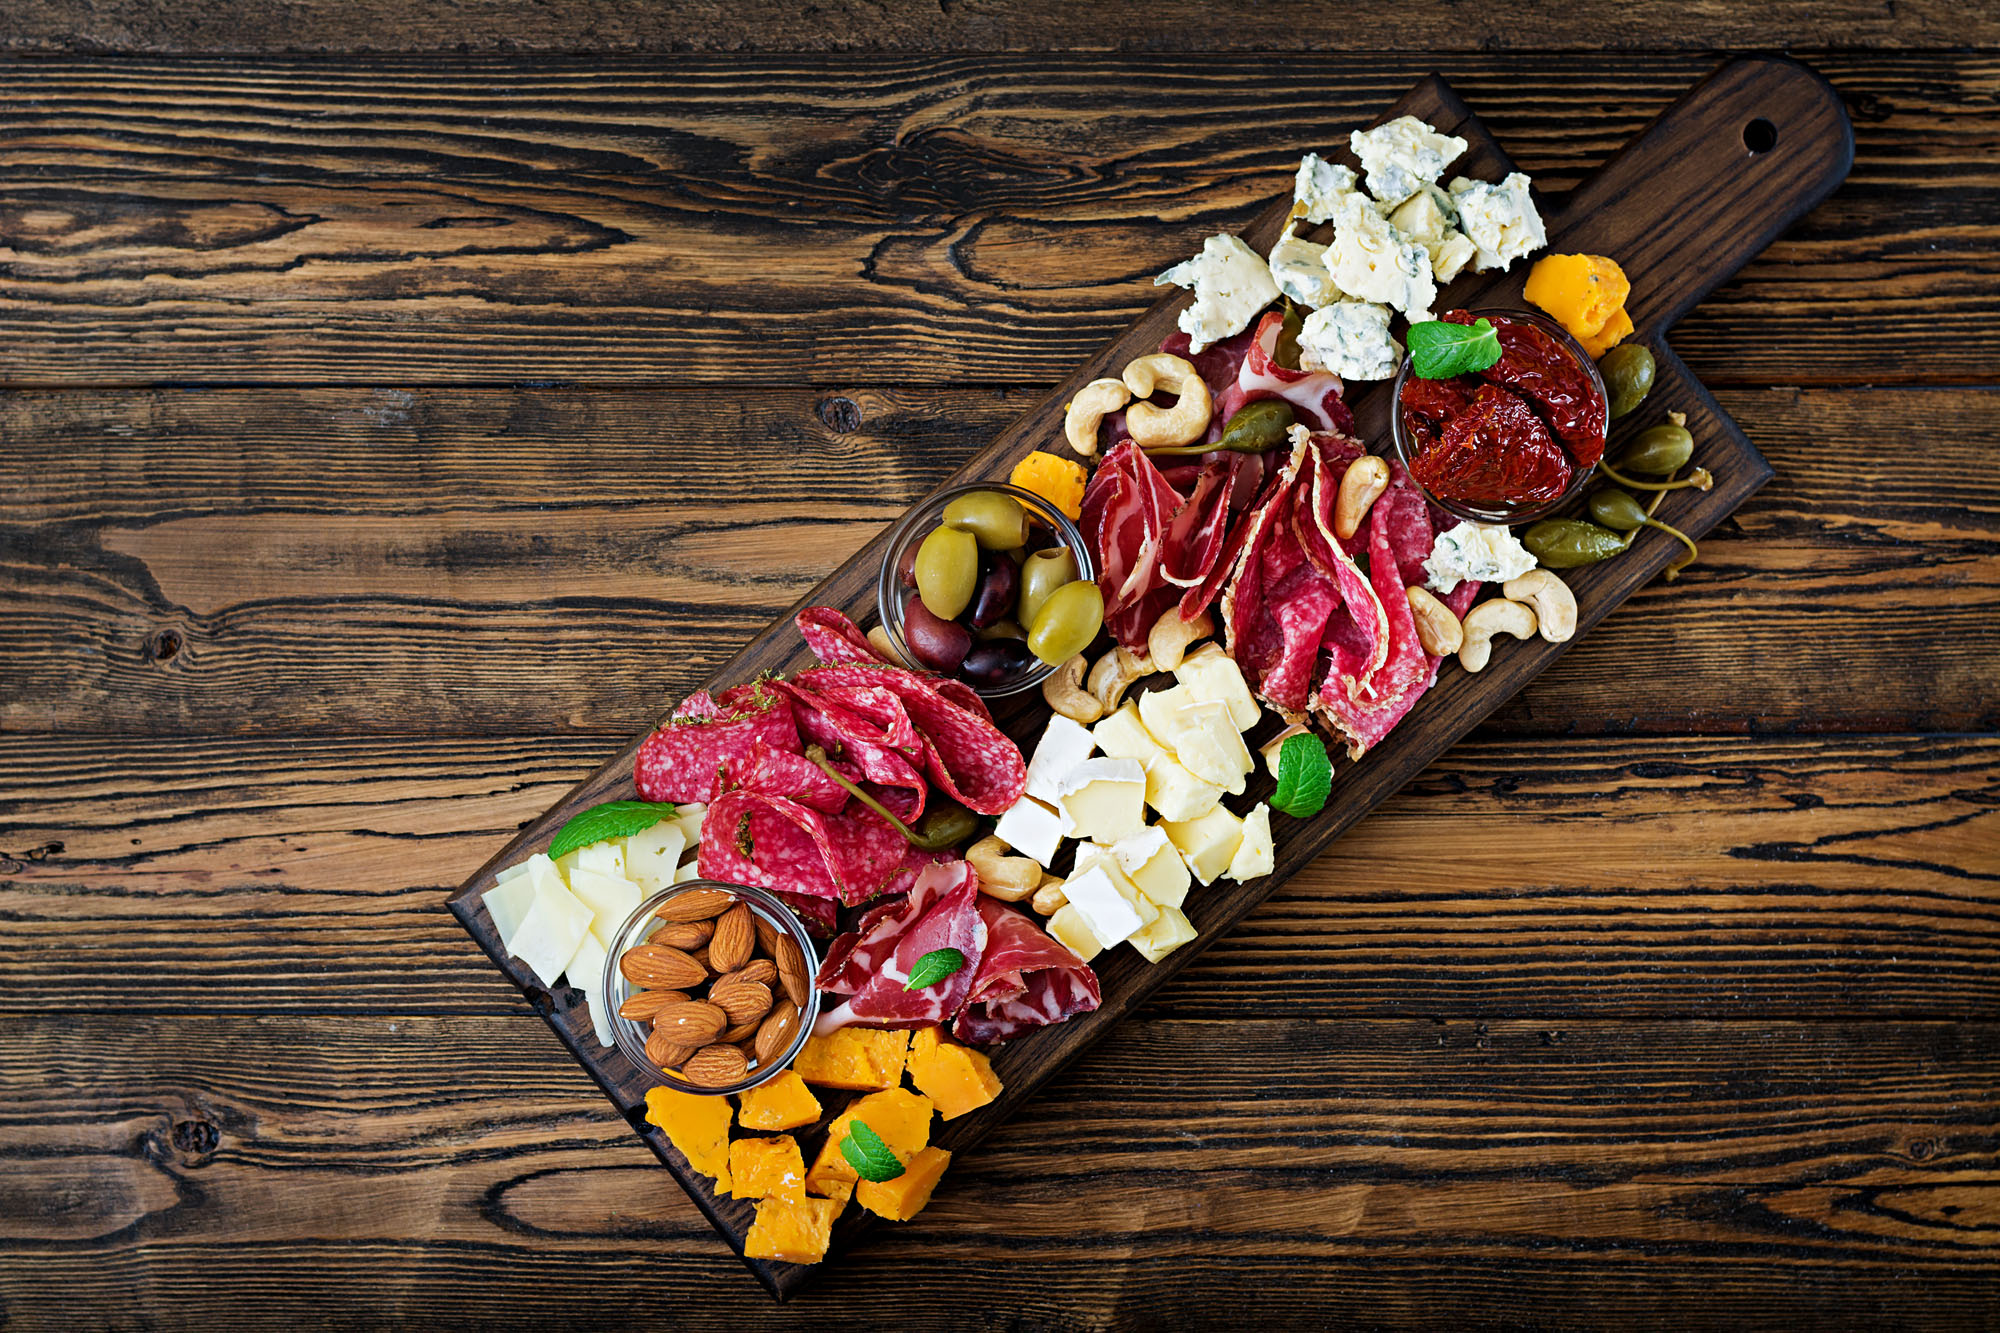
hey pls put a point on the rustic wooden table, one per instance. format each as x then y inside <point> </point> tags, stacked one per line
<point>402,401</point>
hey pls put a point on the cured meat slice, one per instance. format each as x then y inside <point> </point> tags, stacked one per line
<point>871,964</point>
<point>821,915</point>
<point>1367,712</point>
<point>1195,536</point>
<point>1409,524</point>
<point>787,773</point>
<point>962,751</point>
<point>1126,509</point>
<point>1315,395</point>
<point>833,638</point>
<point>1026,980</point>
<point>852,856</point>
<point>685,759</point>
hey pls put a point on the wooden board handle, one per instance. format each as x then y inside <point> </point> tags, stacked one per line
<point>1720,175</point>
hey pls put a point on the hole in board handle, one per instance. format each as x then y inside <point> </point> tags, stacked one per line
<point>1760,136</point>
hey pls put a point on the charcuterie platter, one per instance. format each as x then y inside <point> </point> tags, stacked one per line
<point>1366,472</point>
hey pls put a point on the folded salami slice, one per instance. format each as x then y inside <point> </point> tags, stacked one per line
<point>851,857</point>
<point>685,759</point>
<point>833,638</point>
<point>870,964</point>
<point>1026,980</point>
<point>1366,713</point>
<point>772,772</point>
<point>962,751</point>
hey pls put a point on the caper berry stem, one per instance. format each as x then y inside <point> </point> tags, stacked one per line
<point>817,754</point>
<point>1673,571</point>
<point>1701,479</point>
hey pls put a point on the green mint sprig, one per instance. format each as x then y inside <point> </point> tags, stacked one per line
<point>613,819</point>
<point>1439,350</point>
<point>934,967</point>
<point>1305,776</point>
<point>868,1154</point>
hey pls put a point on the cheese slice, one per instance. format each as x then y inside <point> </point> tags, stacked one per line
<point>1255,857</point>
<point>1202,734</point>
<point>1153,863</point>
<point>1212,676</point>
<point>1177,794</point>
<point>586,973</point>
<point>554,926</point>
<point>653,854</point>
<point>605,858</point>
<point>1108,910</point>
<point>610,899</point>
<point>689,821</point>
<point>513,892</point>
<point>1033,829</point>
<point>1208,844</point>
<point>692,870</point>
<point>1124,736</point>
<point>1168,932</point>
<point>1104,799</point>
<point>1063,746</point>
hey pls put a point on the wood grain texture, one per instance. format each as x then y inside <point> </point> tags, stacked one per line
<point>360,562</point>
<point>1727,878</point>
<point>785,219</point>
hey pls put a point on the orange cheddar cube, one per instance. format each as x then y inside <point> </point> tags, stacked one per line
<point>956,1078</point>
<point>794,1232</point>
<point>1616,330</point>
<point>698,1127</point>
<point>783,1103</point>
<point>768,1168</point>
<point>858,1059</point>
<point>1581,292</point>
<point>903,1198</point>
<point>1058,480</point>
<point>900,1116</point>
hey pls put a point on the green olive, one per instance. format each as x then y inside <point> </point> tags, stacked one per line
<point>1259,427</point>
<point>1565,543</point>
<point>1616,509</point>
<point>1067,622</point>
<point>1658,452</point>
<point>998,521</point>
<point>1044,572</point>
<point>1628,372</point>
<point>947,572</point>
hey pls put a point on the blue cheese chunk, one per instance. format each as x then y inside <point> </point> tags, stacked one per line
<point>1403,156</point>
<point>1350,339</point>
<point>1231,284</point>
<point>1500,220</point>
<point>1475,551</point>
<point>1372,261</point>
<point>1300,272</point>
<point>1319,188</point>
<point>1429,218</point>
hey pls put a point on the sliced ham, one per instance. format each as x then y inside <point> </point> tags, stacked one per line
<point>1315,395</point>
<point>1026,980</point>
<point>871,964</point>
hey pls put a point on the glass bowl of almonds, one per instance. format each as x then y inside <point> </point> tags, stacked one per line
<point>710,987</point>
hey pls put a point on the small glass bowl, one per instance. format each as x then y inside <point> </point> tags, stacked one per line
<point>913,527</point>
<point>1507,514</point>
<point>631,1036</point>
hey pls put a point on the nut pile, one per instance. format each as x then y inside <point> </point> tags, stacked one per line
<point>720,990</point>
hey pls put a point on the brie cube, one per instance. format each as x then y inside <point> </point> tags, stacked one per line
<point>1176,794</point>
<point>1070,930</point>
<point>1154,866</point>
<point>1124,736</point>
<point>1232,285</point>
<point>1372,261</point>
<point>1112,913</point>
<point>1168,932</point>
<point>1299,268</point>
<point>1063,746</point>
<point>555,925</point>
<point>653,854</point>
<point>1255,857</point>
<point>512,894</point>
<point>1403,156</point>
<point>1212,676</point>
<point>1319,187</point>
<point>1033,829</point>
<point>1104,799</point>
<point>586,973</point>
<point>1202,735</point>
<point>1500,221</point>
<point>610,899</point>
<point>1208,844</point>
<point>1429,218</point>
<point>1350,339</point>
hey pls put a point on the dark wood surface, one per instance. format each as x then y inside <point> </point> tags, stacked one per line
<point>327,567</point>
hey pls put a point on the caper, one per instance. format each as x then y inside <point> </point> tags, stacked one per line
<point>944,825</point>
<point>1044,572</point>
<point>1287,351</point>
<point>1066,622</point>
<point>947,571</point>
<point>998,521</point>
<point>1565,543</point>
<point>1259,427</point>
<point>1628,371</point>
<point>1659,451</point>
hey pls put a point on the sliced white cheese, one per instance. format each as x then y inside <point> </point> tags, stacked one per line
<point>1033,829</point>
<point>586,973</point>
<point>652,855</point>
<point>689,819</point>
<point>1176,794</point>
<point>606,858</point>
<point>1104,799</point>
<point>1123,736</point>
<point>1110,914</point>
<point>1074,933</point>
<point>513,892</point>
<point>1212,676</point>
<point>1201,733</point>
<point>1255,856</point>
<point>1231,284</point>
<point>1403,156</point>
<point>1154,865</point>
<point>557,922</point>
<point>1063,746</point>
<point>1168,932</point>
<point>610,899</point>
<point>1208,844</point>
<point>692,870</point>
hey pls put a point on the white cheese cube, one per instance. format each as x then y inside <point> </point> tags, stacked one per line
<point>1350,339</point>
<point>1319,187</point>
<point>610,899</point>
<point>1063,746</point>
<point>586,973</point>
<point>1176,794</point>
<point>1105,799</point>
<point>1074,934</point>
<point>1372,261</point>
<point>1299,269</point>
<point>1124,736</point>
<point>1033,829</point>
<point>1402,156</point>
<point>1212,676</point>
<point>1154,866</point>
<point>1255,856</point>
<point>1231,284</point>
<point>513,892</point>
<point>1168,932</point>
<point>1500,221</point>
<point>1208,844</point>
<point>1110,913</point>
<point>1202,735</point>
<point>653,855</point>
<point>554,926</point>
<point>689,819</point>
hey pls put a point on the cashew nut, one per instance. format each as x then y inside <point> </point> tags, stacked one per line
<point>1554,603</point>
<point>1159,427</point>
<point>1270,749</point>
<point>1065,693</point>
<point>885,648</point>
<point>1049,896</point>
<point>1168,642</point>
<point>1008,878</point>
<point>1093,402</point>
<point>1114,674</point>
<point>1362,485</point>
<point>1437,625</point>
<point>1498,616</point>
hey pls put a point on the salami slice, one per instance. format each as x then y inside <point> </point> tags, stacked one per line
<point>1367,714</point>
<point>833,638</point>
<point>963,752</point>
<point>872,965</point>
<point>685,759</point>
<point>772,772</point>
<point>1026,980</point>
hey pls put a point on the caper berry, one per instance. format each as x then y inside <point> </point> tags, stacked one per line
<point>1044,572</point>
<point>1628,371</point>
<point>945,824</point>
<point>1066,622</point>
<point>1566,543</point>
<point>1616,509</point>
<point>997,521</point>
<point>1259,427</point>
<point>1659,451</point>
<point>947,571</point>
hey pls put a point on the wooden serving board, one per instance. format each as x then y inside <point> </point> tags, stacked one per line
<point>1683,206</point>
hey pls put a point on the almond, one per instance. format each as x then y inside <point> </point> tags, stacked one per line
<point>657,967</point>
<point>767,938</point>
<point>776,1032</point>
<point>693,1022</point>
<point>743,1001</point>
<point>665,1051</point>
<point>792,972</point>
<point>700,956</point>
<point>757,969</point>
<point>715,1067</point>
<point>694,905</point>
<point>640,1008</point>
<point>683,934</point>
<point>740,1035</point>
<point>735,936</point>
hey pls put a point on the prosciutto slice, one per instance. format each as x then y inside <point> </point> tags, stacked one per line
<point>1026,980</point>
<point>1126,511</point>
<point>871,963</point>
<point>1315,395</point>
<point>686,759</point>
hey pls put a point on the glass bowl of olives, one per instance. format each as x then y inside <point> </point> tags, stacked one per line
<point>990,584</point>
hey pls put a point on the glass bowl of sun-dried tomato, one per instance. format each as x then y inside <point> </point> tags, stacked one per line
<point>1513,442</point>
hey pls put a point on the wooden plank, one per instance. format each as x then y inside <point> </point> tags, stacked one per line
<point>1729,878</point>
<point>458,26</point>
<point>735,219</point>
<point>356,562</point>
<point>259,1171</point>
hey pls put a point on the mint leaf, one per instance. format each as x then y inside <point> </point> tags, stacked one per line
<point>613,819</point>
<point>934,967</point>
<point>867,1154</point>
<point>1305,776</point>
<point>1439,350</point>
